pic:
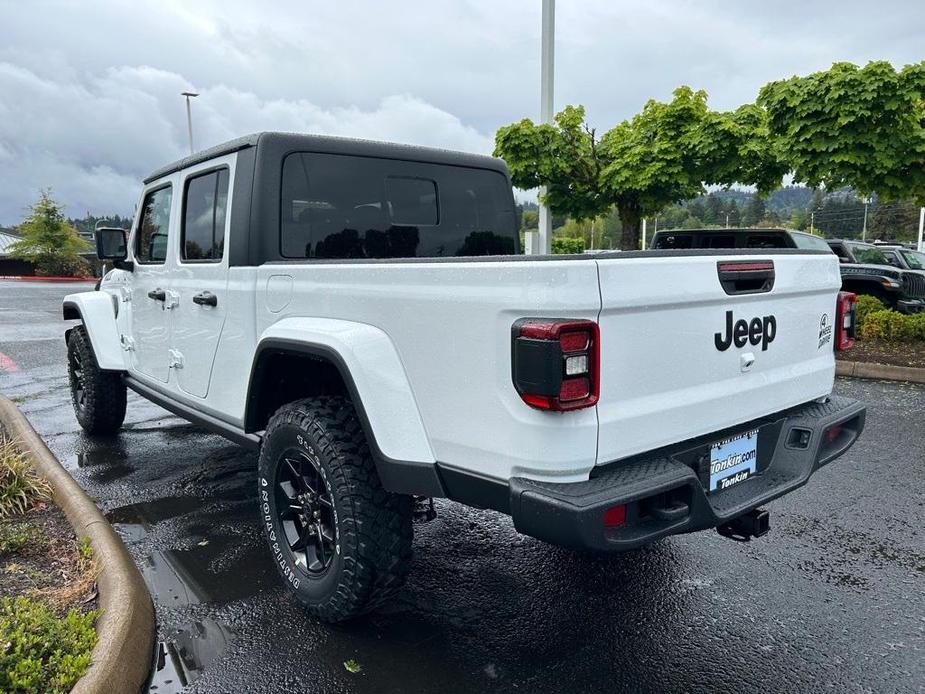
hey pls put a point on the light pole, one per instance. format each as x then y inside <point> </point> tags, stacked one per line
<point>921,246</point>
<point>864,229</point>
<point>189,117</point>
<point>547,63</point>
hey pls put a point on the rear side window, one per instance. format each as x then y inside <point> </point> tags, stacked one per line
<point>341,206</point>
<point>411,200</point>
<point>810,242</point>
<point>153,227</point>
<point>719,241</point>
<point>766,241</point>
<point>675,241</point>
<point>205,200</point>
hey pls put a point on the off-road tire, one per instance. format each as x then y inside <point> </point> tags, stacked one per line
<point>373,527</point>
<point>98,396</point>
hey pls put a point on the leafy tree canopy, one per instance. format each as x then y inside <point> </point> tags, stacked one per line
<point>850,125</point>
<point>661,156</point>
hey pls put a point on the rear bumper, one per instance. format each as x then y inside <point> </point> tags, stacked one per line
<point>663,491</point>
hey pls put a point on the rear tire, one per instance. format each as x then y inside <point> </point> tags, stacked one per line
<point>98,396</point>
<point>341,542</point>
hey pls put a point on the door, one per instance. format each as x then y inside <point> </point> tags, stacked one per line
<point>150,327</point>
<point>200,275</point>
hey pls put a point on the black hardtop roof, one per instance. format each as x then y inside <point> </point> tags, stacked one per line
<point>333,145</point>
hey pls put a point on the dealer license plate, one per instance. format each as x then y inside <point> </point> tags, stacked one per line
<point>733,460</point>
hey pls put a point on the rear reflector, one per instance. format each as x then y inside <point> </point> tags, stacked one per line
<point>615,516</point>
<point>555,363</point>
<point>845,321</point>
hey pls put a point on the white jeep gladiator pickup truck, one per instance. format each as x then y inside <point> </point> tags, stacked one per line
<point>360,313</point>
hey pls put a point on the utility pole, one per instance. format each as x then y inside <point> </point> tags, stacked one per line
<point>921,227</point>
<point>643,233</point>
<point>547,65</point>
<point>189,117</point>
<point>864,230</point>
<point>812,222</point>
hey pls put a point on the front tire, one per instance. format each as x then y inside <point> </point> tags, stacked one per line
<point>98,396</point>
<point>340,541</point>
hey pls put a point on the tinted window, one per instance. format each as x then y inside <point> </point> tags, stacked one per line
<point>151,238</point>
<point>338,206</point>
<point>411,200</point>
<point>841,252</point>
<point>673,241</point>
<point>766,241</point>
<point>204,204</point>
<point>810,242</point>
<point>720,241</point>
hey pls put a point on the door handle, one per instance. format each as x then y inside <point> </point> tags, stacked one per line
<point>157,294</point>
<point>205,299</point>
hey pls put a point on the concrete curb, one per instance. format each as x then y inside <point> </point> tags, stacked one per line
<point>125,628</point>
<point>886,372</point>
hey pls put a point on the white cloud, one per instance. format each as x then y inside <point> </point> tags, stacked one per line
<point>93,141</point>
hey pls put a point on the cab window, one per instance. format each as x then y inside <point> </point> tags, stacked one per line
<point>205,199</point>
<point>810,242</point>
<point>153,227</point>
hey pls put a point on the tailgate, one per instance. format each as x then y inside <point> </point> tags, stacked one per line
<point>669,370</point>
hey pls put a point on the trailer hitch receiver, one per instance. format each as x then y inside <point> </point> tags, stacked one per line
<point>755,523</point>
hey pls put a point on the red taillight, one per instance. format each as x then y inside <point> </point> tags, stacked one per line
<point>845,321</point>
<point>615,516</point>
<point>556,363</point>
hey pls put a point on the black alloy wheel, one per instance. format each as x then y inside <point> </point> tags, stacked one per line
<point>306,512</point>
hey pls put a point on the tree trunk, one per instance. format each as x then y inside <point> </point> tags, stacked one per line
<point>630,218</point>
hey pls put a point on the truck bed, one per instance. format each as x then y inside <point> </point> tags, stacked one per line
<point>663,379</point>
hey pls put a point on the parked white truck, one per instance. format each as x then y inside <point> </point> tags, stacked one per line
<point>360,313</point>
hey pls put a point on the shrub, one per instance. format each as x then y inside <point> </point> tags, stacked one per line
<point>565,244</point>
<point>15,536</point>
<point>888,326</point>
<point>40,652</point>
<point>74,266</point>
<point>20,487</point>
<point>865,306</point>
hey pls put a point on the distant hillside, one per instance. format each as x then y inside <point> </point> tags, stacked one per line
<point>782,202</point>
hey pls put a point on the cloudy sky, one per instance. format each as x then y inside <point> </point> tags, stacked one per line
<point>90,91</point>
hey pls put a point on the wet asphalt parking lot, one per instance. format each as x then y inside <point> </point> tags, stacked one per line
<point>832,600</point>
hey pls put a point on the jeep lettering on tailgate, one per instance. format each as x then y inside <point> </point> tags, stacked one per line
<point>762,330</point>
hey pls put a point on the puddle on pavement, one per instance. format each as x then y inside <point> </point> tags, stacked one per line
<point>105,464</point>
<point>186,653</point>
<point>207,571</point>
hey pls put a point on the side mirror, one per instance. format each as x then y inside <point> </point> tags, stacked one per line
<point>111,244</point>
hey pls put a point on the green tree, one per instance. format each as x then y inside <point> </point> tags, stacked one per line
<point>735,215</point>
<point>754,211</point>
<point>49,241</point>
<point>663,155</point>
<point>860,127</point>
<point>715,212</point>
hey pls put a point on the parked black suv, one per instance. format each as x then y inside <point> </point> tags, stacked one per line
<point>866,269</point>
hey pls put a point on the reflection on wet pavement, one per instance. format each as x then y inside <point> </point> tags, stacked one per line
<point>185,653</point>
